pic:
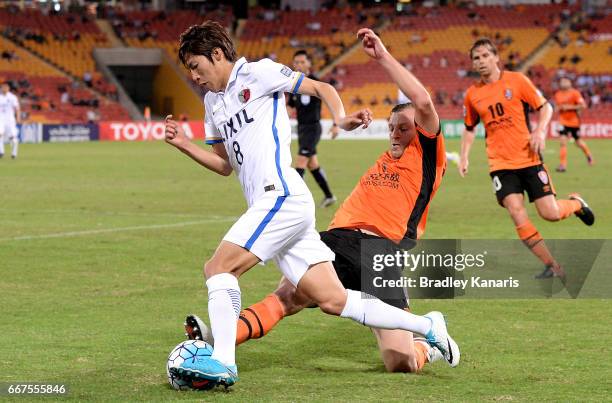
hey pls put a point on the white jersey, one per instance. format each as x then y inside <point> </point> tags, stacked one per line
<point>250,118</point>
<point>8,106</point>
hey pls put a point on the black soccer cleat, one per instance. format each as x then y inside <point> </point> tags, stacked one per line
<point>550,272</point>
<point>585,213</point>
<point>196,329</point>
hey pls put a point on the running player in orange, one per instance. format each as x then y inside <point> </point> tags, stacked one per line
<point>389,205</point>
<point>501,100</point>
<point>570,103</point>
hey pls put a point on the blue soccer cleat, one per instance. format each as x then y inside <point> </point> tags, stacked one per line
<point>206,368</point>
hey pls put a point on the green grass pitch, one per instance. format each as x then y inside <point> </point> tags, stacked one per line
<point>101,254</point>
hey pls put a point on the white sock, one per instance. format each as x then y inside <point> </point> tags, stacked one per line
<point>223,311</point>
<point>1,144</point>
<point>373,312</point>
<point>15,144</point>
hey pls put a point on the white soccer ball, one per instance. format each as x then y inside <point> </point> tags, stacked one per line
<point>188,350</point>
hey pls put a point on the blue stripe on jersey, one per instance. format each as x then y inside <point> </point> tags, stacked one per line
<point>266,220</point>
<point>216,141</point>
<point>299,82</point>
<point>277,153</point>
<point>238,71</point>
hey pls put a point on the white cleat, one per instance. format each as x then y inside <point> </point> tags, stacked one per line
<point>438,338</point>
<point>433,354</point>
<point>328,201</point>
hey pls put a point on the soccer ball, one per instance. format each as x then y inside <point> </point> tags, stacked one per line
<point>188,350</point>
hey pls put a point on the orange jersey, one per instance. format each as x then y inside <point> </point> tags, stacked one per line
<point>569,97</point>
<point>392,197</point>
<point>502,107</point>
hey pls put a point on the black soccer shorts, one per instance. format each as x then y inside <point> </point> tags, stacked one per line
<point>568,130</point>
<point>354,256</point>
<point>308,138</point>
<point>534,180</point>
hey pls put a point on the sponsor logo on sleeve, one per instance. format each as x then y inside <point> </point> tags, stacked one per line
<point>286,71</point>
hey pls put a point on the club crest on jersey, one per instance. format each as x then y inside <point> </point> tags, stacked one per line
<point>508,94</point>
<point>543,177</point>
<point>244,95</point>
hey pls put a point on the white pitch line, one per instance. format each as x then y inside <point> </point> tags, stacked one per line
<point>111,230</point>
<point>95,212</point>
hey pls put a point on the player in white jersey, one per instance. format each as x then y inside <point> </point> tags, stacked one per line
<point>248,127</point>
<point>10,116</point>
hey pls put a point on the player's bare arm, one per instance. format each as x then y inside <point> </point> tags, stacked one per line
<point>538,135</point>
<point>425,112</point>
<point>466,145</point>
<point>573,107</point>
<point>329,95</point>
<point>217,161</point>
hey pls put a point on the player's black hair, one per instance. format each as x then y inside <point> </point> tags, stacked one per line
<point>483,42</point>
<point>301,52</point>
<point>201,40</point>
<point>401,107</point>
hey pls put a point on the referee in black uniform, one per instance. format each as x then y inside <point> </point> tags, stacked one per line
<point>308,111</point>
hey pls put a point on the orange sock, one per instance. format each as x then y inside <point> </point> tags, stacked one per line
<point>568,207</point>
<point>258,319</point>
<point>532,239</point>
<point>584,148</point>
<point>421,353</point>
<point>563,155</point>
<point>528,233</point>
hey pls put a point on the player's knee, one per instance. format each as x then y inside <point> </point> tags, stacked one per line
<point>289,300</point>
<point>332,306</point>
<point>550,214</point>
<point>208,269</point>
<point>516,210</point>
<point>213,267</point>
<point>403,363</point>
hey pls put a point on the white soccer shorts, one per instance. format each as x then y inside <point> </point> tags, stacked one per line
<point>282,228</point>
<point>8,130</point>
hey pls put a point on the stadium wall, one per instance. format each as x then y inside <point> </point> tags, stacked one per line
<point>147,131</point>
<point>172,94</point>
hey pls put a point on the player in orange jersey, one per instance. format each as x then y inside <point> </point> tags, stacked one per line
<point>389,205</point>
<point>501,100</point>
<point>570,103</point>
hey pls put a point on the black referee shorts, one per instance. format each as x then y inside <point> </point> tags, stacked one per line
<point>308,138</point>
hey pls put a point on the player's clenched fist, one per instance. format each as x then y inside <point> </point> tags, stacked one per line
<point>372,45</point>
<point>174,133</point>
